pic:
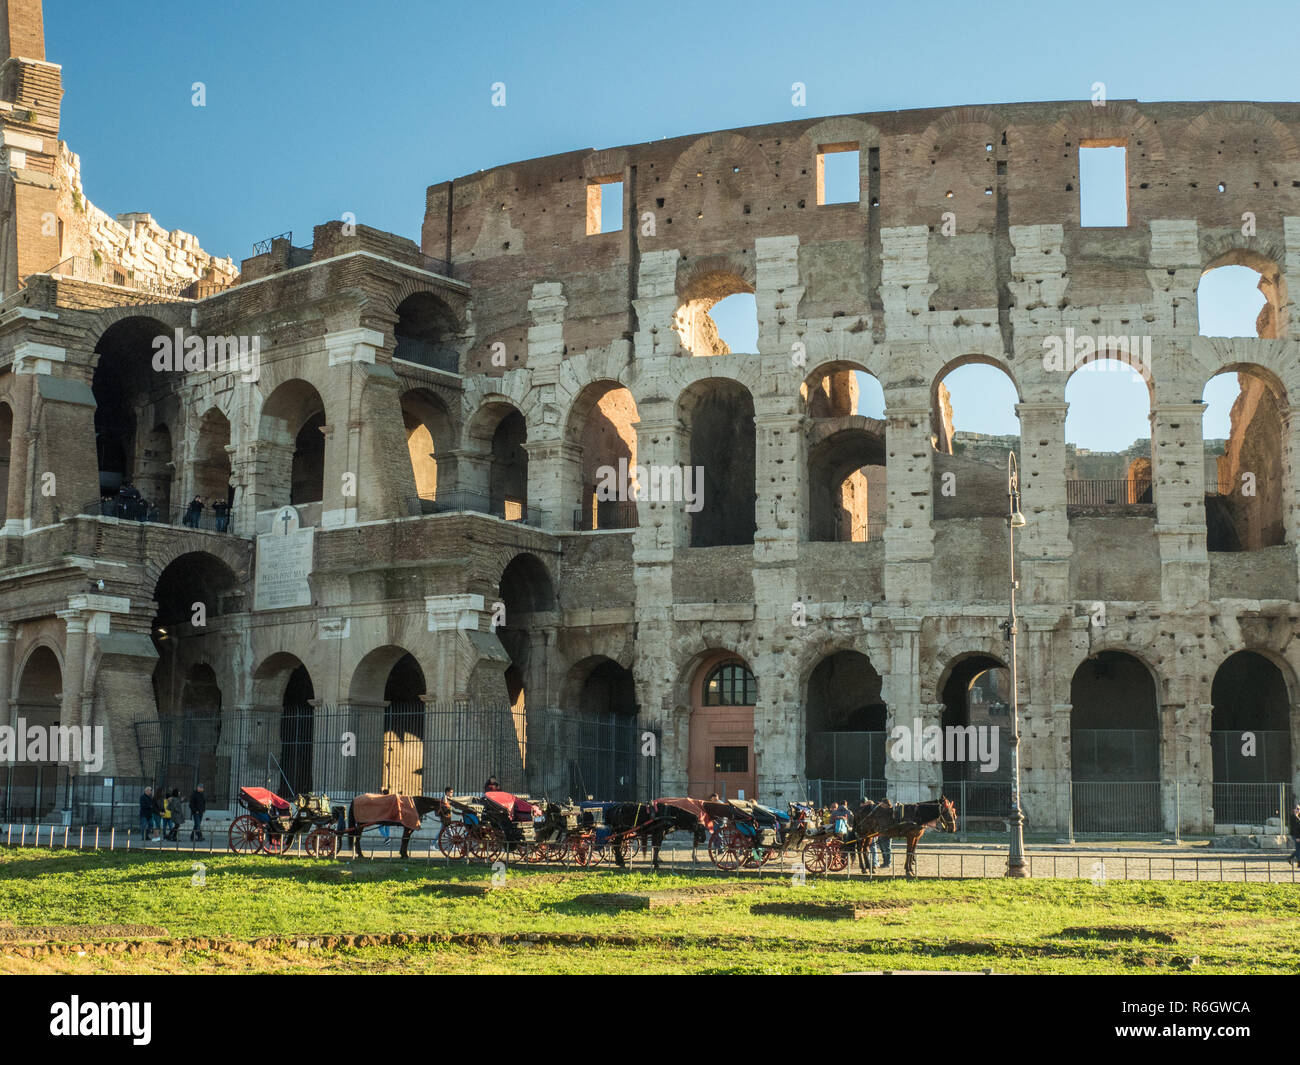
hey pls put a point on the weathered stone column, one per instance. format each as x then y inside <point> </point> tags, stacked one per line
<point>1178,471</point>
<point>777,294</point>
<point>1044,546</point>
<point>909,536</point>
<point>907,779</point>
<point>6,672</point>
<point>74,667</point>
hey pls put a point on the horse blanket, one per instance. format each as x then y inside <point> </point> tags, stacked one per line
<point>392,809</point>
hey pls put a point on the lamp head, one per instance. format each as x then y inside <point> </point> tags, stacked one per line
<point>1017,519</point>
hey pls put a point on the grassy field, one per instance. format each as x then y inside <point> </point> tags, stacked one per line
<point>86,911</point>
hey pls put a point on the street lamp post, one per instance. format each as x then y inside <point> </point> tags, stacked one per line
<point>1016,865</point>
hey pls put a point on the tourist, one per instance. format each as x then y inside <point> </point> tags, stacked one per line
<point>881,852</point>
<point>1295,832</point>
<point>195,513</point>
<point>146,814</point>
<point>175,809</point>
<point>158,803</point>
<point>166,815</point>
<point>221,514</point>
<point>492,785</point>
<point>198,807</point>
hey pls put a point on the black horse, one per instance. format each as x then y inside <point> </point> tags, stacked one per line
<point>424,805</point>
<point>901,820</point>
<point>651,822</point>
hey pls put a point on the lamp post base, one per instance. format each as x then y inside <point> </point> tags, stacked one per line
<point>1017,864</point>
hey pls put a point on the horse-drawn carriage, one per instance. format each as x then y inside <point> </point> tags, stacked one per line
<point>499,824</point>
<point>271,824</point>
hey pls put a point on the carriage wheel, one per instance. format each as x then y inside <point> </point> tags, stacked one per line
<point>485,843</point>
<point>839,857</point>
<point>526,852</point>
<point>815,858</point>
<point>453,840</point>
<point>275,841</point>
<point>724,854</point>
<point>245,835</point>
<point>551,852</point>
<point>585,852</point>
<point>321,843</point>
<point>628,848</point>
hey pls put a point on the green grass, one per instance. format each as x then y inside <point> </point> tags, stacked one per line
<point>1008,926</point>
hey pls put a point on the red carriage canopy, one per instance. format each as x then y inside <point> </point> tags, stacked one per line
<point>265,797</point>
<point>520,809</point>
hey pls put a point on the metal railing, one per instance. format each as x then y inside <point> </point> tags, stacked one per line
<point>1253,806</point>
<point>1107,493</point>
<point>605,514</point>
<point>436,356</point>
<point>838,756</point>
<point>85,268</point>
<point>478,503</point>
<point>142,510</point>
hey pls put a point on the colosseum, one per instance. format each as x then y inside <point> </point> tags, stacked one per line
<point>370,513</point>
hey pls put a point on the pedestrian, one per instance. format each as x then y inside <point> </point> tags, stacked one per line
<point>221,514</point>
<point>198,807</point>
<point>881,852</point>
<point>146,814</point>
<point>492,785</point>
<point>195,512</point>
<point>177,806</point>
<point>167,815</point>
<point>1295,833</point>
<point>444,814</point>
<point>158,801</point>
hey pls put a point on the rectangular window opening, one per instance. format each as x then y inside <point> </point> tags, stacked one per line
<point>605,204</point>
<point>838,176</point>
<point>1103,183</point>
<point>731,759</point>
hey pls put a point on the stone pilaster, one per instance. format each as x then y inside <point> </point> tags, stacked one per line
<point>1178,473</point>
<point>909,535</point>
<point>1044,546</point>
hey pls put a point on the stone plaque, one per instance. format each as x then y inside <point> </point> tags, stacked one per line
<point>284,559</point>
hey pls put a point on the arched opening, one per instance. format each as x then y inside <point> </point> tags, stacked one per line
<point>6,450</point>
<point>122,383</point>
<point>212,466</point>
<point>603,424</point>
<point>430,440</point>
<point>977,699</point>
<point>1108,427</point>
<point>1250,740</point>
<point>509,487</point>
<point>1241,294</point>
<point>736,326</point>
<point>1115,745</point>
<point>848,494</point>
<point>33,785</point>
<point>291,447</point>
<point>1245,484</point>
<point>846,733</point>
<point>973,425</point>
<point>297,731</point>
<point>404,728</point>
<point>601,740</point>
<point>427,333</point>
<point>191,592</point>
<point>526,590</point>
<point>719,436</point>
<point>721,755</point>
<point>156,470</point>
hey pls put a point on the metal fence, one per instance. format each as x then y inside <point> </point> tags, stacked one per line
<point>409,748</point>
<point>605,514</point>
<point>846,755</point>
<point>127,509</point>
<point>436,356</point>
<point>1107,492</point>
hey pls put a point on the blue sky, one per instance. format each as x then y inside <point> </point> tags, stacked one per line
<point>316,109</point>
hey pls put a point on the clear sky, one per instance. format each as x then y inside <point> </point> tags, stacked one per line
<point>316,109</point>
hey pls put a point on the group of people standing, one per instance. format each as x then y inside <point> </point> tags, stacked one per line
<point>162,812</point>
<point>220,513</point>
<point>128,503</point>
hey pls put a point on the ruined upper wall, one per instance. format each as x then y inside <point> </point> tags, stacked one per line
<point>712,196</point>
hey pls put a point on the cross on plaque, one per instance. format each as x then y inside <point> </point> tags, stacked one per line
<point>286,516</point>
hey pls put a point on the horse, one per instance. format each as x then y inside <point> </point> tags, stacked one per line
<point>651,822</point>
<point>906,820</point>
<point>424,805</point>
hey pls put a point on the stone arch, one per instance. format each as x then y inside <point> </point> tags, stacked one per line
<point>975,691</point>
<point>713,176</point>
<point>430,441</point>
<point>717,436</point>
<point>211,462</point>
<point>497,457</point>
<point>428,331</point>
<point>700,286</point>
<point>1250,736</point>
<point>236,556</point>
<point>38,700</point>
<point>283,693</point>
<point>599,729</point>
<point>122,381</point>
<point>1115,121</point>
<point>846,720</point>
<point>1265,258</point>
<point>291,446</point>
<point>602,427</point>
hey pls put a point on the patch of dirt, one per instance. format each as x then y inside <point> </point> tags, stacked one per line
<point>845,911</point>
<point>1118,933</point>
<point>63,932</point>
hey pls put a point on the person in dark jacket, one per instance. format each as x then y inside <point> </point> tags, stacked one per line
<point>177,812</point>
<point>146,814</point>
<point>195,513</point>
<point>198,807</point>
<point>1295,833</point>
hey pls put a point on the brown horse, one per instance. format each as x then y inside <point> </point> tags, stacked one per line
<point>901,820</point>
<point>424,805</point>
